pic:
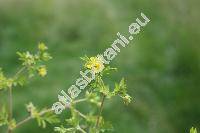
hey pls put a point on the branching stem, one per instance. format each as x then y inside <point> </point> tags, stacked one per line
<point>46,111</point>
<point>10,100</point>
<point>30,117</point>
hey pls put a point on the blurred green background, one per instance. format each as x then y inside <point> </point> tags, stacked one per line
<point>161,65</point>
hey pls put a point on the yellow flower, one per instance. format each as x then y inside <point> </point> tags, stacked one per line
<point>42,71</point>
<point>42,47</point>
<point>95,64</point>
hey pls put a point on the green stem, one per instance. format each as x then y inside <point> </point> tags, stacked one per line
<point>80,100</point>
<point>30,118</point>
<point>82,115</point>
<point>46,111</point>
<point>19,72</point>
<point>10,104</point>
<point>80,129</point>
<point>101,109</point>
<point>10,100</point>
<point>23,121</point>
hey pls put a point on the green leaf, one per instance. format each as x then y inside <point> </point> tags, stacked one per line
<point>193,130</point>
<point>21,80</point>
<point>62,129</point>
<point>75,119</point>
<point>106,126</point>
<point>3,116</point>
<point>51,118</point>
<point>46,56</point>
<point>48,117</point>
<point>108,69</point>
<point>120,89</point>
<point>42,118</point>
<point>85,58</point>
<point>12,124</point>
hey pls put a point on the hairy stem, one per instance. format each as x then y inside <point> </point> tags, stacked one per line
<point>46,111</point>
<point>81,130</point>
<point>23,121</point>
<point>10,105</point>
<point>10,100</point>
<point>19,72</point>
<point>30,117</point>
<point>101,109</point>
<point>82,115</point>
<point>80,100</point>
